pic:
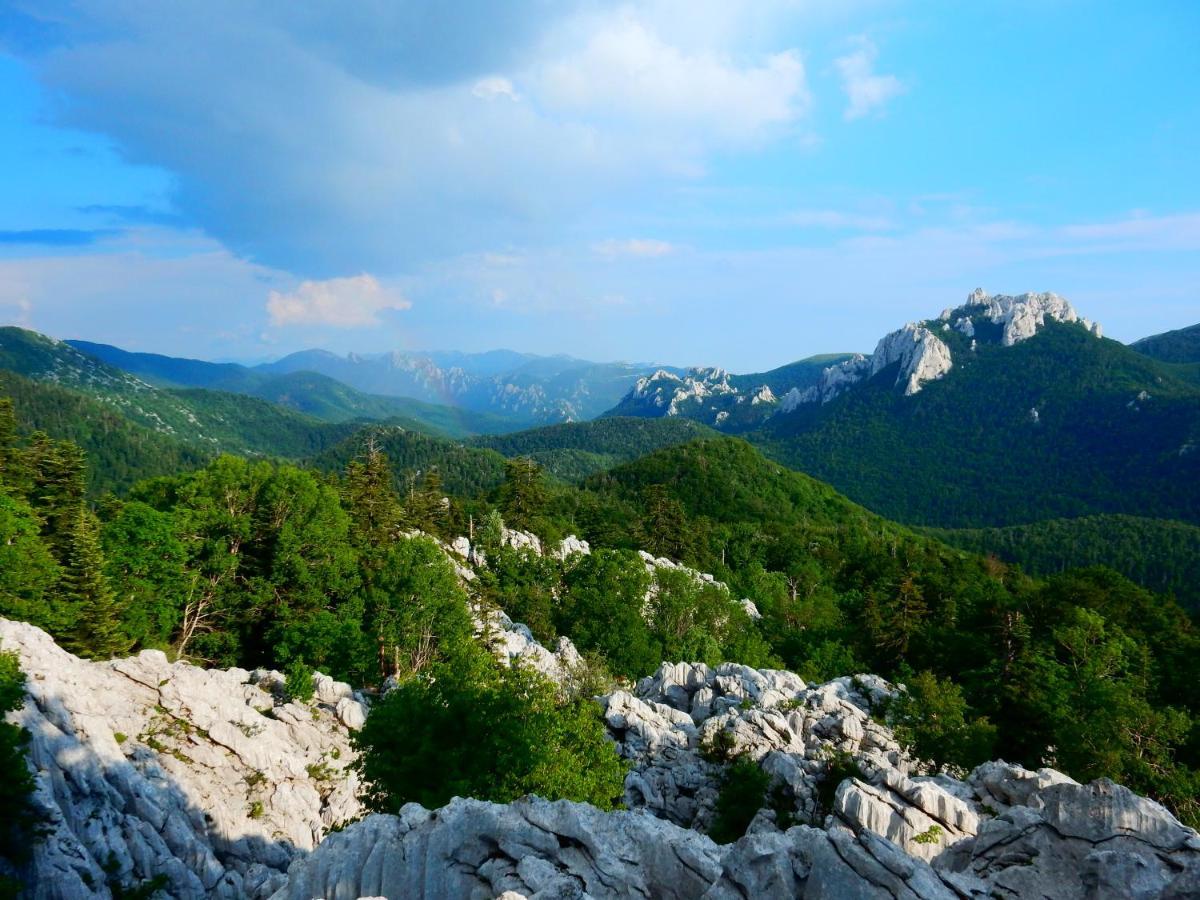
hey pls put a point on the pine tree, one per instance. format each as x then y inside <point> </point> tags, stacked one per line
<point>370,498</point>
<point>523,495</point>
<point>97,630</point>
<point>55,470</point>
<point>8,439</point>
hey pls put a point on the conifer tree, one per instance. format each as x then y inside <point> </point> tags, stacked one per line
<point>370,498</point>
<point>523,495</point>
<point>8,439</point>
<point>97,630</point>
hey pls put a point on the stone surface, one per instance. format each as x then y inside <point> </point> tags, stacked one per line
<point>149,768</point>
<point>212,780</point>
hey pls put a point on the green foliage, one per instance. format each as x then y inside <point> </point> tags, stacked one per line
<point>465,471</point>
<point>524,585</point>
<point>931,835</point>
<point>931,720</point>
<point>1094,447</point>
<point>28,572</point>
<point>119,452</point>
<point>20,821</point>
<point>97,626</point>
<point>574,450</point>
<point>491,732</point>
<point>522,497</point>
<point>743,791</point>
<point>840,766</point>
<point>298,682</point>
<point>1179,346</point>
<point>1158,554</point>
<point>201,418</point>
<point>601,609</point>
<point>145,564</point>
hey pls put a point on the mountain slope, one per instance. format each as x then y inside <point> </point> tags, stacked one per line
<point>1158,554</point>
<point>211,420</point>
<point>1179,346</point>
<point>465,471</point>
<point>531,390</point>
<point>1061,424</point>
<point>730,403</point>
<point>119,452</point>
<point>304,391</point>
<point>575,450</point>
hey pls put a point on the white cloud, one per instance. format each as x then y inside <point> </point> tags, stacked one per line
<point>637,247</point>
<point>340,302</point>
<point>625,71</point>
<point>494,87</point>
<point>866,92</point>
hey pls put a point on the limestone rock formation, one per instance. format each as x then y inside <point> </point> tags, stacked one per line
<point>923,357</point>
<point>214,781</point>
<point>147,768</point>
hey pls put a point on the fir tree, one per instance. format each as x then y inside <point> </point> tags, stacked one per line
<point>97,630</point>
<point>370,498</point>
<point>523,495</point>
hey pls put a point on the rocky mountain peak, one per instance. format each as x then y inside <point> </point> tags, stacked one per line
<point>923,356</point>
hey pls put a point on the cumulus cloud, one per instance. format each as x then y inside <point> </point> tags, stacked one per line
<point>866,91</point>
<point>493,87</point>
<point>322,139</point>
<point>637,247</point>
<point>340,302</point>
<point>626,70</point>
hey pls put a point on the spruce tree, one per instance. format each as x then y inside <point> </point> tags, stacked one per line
<point>97,630</point>
<point>523,496</point>
<point>370,498</point>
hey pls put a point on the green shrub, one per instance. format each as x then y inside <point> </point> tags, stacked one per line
<point>497,733</point>
<point>299,682</point>
<point>743,794</point>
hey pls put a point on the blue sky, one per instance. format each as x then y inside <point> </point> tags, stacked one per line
<point>731,182</point>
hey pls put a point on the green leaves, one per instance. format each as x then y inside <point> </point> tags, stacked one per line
<point>495,733</point>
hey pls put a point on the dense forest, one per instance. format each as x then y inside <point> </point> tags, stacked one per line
<point>1179,346</point>
<point>1156,553</point>
<point>1061,425</point>
<point>256,563</point>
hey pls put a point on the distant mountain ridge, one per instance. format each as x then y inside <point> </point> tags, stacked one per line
<point>1179,346</point>
<point>531,390</point>
<point>303,390</point>
<point>216,421</point>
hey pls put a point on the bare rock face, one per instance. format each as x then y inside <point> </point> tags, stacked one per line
<point>211,780</point>
<point>147,768</point>
<point>1021,315</point>
<point>923,357</point>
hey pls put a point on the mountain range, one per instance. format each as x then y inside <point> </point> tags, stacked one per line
<point>1005,422</point>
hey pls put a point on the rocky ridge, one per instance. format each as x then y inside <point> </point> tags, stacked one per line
<point>214,782</point>
<point>922,356</point>
<point>890,832</point>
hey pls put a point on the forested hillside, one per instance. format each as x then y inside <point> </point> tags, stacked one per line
<point>210,420</point>
<point>1159,554</point>
<point>1179,346</point>
<point>1083,669</point>
<point>575,450</point>
<point>119,452</point>
<point>1063,424</point>
<point>307,392</point>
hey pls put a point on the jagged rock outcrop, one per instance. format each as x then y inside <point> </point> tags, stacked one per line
<point>213,781</point>
<point>923,357</point>
<point>1021,316</point>
<point>1063,841</point>
<point>889,833</point>
<point>147,768</point>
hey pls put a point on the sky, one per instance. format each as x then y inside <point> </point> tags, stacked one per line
<point>721,182</point>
